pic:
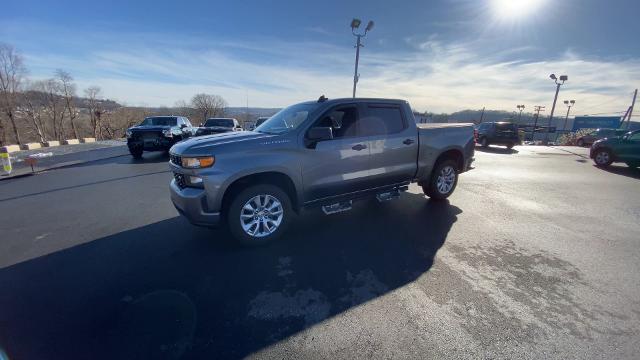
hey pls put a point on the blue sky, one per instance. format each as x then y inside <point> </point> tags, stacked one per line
<point>442,56</point>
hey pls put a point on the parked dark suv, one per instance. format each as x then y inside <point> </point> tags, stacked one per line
<point>497,133</point>
<point>157,133</point>
<point>624,148</point>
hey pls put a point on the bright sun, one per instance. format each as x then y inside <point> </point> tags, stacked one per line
<point>513,9</point>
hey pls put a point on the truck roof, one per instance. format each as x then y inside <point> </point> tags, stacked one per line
<point>352,100</point>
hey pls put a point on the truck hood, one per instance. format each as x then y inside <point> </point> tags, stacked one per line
<point>607,141</point>
<point>214,129</point>
<point>150,128</point>
<point>204,145</point>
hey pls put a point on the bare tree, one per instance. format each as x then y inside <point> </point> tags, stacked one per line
<point>118,121</point>
<point>95,109</point>
<point>12,72</point>
<point>53,107</point>
<point>209,105</point>
<point>32,106</point>
<point>68,92</point>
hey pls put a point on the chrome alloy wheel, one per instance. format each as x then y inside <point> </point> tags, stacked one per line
<point>602,157</point>
<point>446,178</point>
<point>261,215</point>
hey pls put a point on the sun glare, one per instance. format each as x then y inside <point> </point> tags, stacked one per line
<point>513,9</point>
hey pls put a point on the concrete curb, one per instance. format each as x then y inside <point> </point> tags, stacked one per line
<point>31,146</point>
<point>87,140</point>
<point>70,142</point>
<point>570,152</point>
<point>11,148</point>
<point>51,143</point>
<point>115,152</point>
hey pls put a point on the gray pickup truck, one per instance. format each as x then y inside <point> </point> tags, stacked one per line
<point>324,153</point>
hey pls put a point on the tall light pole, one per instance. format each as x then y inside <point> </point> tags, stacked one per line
<point>355,23</point>
<point>569,104</point>
<point>520,107</point>
<point>561,81</point>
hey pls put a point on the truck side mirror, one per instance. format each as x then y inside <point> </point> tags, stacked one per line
<point>320,133</point>
<point>183,126</point>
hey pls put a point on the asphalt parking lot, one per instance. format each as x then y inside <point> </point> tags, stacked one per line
<point>534,256</point>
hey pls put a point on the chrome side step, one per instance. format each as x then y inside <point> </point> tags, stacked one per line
<point>337,207</point>
<point>388,195</point>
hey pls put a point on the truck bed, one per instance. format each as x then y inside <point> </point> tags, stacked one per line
<point>437,138</point>
<point>442,125</point>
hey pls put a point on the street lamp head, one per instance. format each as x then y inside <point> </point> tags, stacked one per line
<point>355,23</point>
<point>564,77</point>
<point>572,102</point>
<point>369,26</point>
<point>566,102</point>
<point>553,77</point>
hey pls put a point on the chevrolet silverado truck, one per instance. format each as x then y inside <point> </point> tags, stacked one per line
<point>325,153</point>
<point>218,125</point>
<point>157,133</point>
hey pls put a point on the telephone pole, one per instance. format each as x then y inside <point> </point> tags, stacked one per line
<point>520,107</point>
<point>482,115</point>
<point>633,102</point>
<point>569,104</point>
<point>558,82</point>
<point>537,109</point>
<point>355,23</point>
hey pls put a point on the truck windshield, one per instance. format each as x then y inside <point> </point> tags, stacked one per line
<point>287,119</point>
<point>219,122</point>
<point>160,121</point>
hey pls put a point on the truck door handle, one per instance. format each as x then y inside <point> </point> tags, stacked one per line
<point>359,147</point>
<point>408,141</point>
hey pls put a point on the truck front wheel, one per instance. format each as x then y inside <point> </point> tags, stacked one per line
<point>136,152</point>
<point>444,179</point>
<point>259,214</point>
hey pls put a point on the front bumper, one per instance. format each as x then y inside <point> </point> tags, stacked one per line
<point>192,204</point>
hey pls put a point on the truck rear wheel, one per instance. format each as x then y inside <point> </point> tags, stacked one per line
<point>444,179</point>
<point>259,214</point>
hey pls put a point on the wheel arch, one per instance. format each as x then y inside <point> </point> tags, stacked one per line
<point>454,154</point>
<point>275,178</point>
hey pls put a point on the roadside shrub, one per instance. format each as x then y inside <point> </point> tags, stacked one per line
<point>571,138</point>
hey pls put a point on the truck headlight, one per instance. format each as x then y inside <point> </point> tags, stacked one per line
<point>167,133</point>
<point>198,162</point>
<point>129,133</point>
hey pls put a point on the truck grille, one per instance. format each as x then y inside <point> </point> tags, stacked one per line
<point>175,159</point>
<point>179,180</point>
<point>146,135</point>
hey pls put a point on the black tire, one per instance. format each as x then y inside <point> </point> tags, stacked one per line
<point>136,152</point>
<point>603,157</point>
<point>235,209</point>
<point>432,190</point>
<point>510,146</point>
<point>581,142</point>
<point>484,142</point>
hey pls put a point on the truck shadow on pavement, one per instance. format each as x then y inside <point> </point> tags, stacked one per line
<point>171,290</point>
<point>497,150</point>
<point>622,170</point>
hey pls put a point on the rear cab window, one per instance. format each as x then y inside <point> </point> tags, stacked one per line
<point>382,119</point>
